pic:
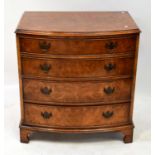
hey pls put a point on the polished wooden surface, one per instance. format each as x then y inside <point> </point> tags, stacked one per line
<point>74,23</point>
<point>74,76</point>
<point>77,91</point>
<point>73,68</point>
<point>77,117</point>
<point>78,46</point>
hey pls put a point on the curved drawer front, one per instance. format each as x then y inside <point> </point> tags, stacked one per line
<point>77,67</point>
<point>77,46</point>
<point>68,92</point>
<point>77,116</point>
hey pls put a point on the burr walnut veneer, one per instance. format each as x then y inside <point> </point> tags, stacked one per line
<point>77,72</point>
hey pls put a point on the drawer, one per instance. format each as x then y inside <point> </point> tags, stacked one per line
<point>76,92</point>
<point>76,116</point>
<point>77,46</point>
<point>77,67</point>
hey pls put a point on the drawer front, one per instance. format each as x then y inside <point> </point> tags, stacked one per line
<point>77,46</point>
<point>77,67</point>
<point>68,92</point>
<point>76,116</point>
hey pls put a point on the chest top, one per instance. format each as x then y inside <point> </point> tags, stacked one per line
<point>76,23</point>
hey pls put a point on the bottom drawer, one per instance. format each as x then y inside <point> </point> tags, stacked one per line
<point>76,116</point>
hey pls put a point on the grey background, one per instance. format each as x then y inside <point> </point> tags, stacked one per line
<point>96,144</point>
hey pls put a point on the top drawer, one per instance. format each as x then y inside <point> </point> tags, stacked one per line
<point>78,46</point>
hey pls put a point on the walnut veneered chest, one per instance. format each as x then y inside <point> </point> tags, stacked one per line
<point>77,72</point>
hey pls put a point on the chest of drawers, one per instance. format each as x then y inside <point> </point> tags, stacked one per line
<point>77,72</point>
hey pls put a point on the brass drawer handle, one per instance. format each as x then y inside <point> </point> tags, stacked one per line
<point>110,66</point>
<point>111,45</point>
<point>109,90</point>
<point>46,115</point>
<point>44,46</point>
<point>108,114</point>
<point>45,90</point>
<point>45,67</point>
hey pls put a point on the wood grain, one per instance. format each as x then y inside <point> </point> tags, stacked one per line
<point>75,92</point>
<point>78,46</point>
<point>77,68</point>
<point>76,117</point>
<point>76,23</point>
